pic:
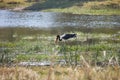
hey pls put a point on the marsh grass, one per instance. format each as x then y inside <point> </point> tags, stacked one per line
<point>38,48</point>
<point>60,73</point>
<point>104,7</point>
<point>11,4</point>
<point>32,57</point>
<point>91,56</point>
<point>114,4</point>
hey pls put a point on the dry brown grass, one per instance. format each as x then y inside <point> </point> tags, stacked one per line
<point>79,73</point>
<point>13,0</point>
<point>60,73</point>
<point>14,73</point>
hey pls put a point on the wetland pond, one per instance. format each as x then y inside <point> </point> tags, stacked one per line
<point>23,23</point>
<point>50,19</point>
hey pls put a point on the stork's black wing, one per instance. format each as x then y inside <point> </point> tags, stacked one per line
<point>67,36</point>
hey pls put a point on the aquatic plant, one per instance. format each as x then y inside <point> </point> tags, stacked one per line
<point>6,56</point>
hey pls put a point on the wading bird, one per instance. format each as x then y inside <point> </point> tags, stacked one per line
<point>65,37</point>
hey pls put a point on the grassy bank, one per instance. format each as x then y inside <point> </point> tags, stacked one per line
<point>105,7</point>
<point>92,8</point>
<point>78,10</point>
<point>12,4</point>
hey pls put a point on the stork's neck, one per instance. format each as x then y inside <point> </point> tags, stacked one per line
<point>58,37</point>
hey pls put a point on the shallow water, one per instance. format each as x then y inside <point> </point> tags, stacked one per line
<point>50,19</point>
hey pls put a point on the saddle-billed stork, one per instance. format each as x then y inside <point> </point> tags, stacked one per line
<point>65,37</point>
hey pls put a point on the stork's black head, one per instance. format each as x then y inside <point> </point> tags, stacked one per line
<point>57,38</point>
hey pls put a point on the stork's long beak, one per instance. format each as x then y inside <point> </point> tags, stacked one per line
<point>56,40</point>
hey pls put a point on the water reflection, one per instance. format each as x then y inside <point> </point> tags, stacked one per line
<point>25,19</point>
